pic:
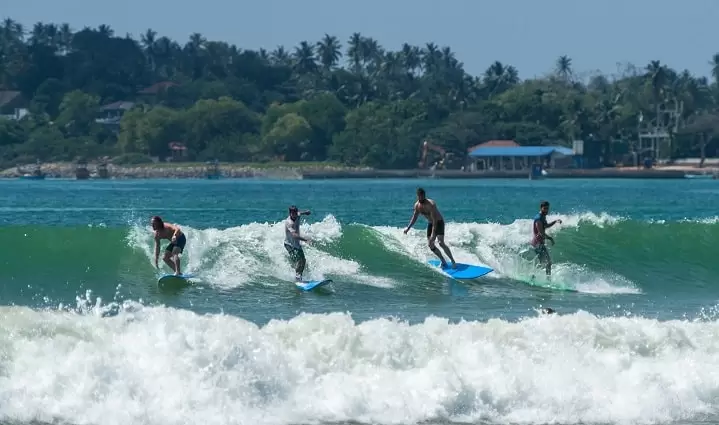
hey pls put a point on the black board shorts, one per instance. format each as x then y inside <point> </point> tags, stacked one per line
<point>180,243</point>
<point>542,252</point>
<point>296,254</point>
<point>440,228</point>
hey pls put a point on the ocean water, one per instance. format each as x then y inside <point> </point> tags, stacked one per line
<point>87,337</point>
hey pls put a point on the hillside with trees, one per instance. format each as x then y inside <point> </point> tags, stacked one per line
<point>89,93</point>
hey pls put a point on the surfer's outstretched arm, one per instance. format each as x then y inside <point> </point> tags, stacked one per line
<point>415,214</point>
<point>553,223</point>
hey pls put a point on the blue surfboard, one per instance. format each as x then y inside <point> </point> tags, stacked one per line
<point>308,285</point>
<point>463,271</point>
<point>171,279</point>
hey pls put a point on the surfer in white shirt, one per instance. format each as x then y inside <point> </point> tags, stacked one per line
<point>293,238</point>
<point>435,225</point>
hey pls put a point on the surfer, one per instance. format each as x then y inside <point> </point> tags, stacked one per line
<point>539,227</point>
<point>293,238</point>
<point>174,248</point>
<point>435,225</point>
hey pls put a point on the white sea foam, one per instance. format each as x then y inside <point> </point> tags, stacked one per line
<point>499,246</point>
<point>253,252</point>
<point>157,365</point>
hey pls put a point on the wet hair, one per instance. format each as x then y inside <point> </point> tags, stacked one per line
<point>159,221</point>
<point>544,204</point>
<point>293,208</point>
<point>421,192</point>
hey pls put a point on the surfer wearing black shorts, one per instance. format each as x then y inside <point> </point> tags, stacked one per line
<point>176,246</point>
<point>539,235</point>
<point>435,225</point>
<point>292,240</point>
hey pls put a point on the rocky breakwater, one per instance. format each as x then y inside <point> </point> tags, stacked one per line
<point>180,171</point>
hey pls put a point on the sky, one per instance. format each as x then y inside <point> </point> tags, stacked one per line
<point>528,34</point>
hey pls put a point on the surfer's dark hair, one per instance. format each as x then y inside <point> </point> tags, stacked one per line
<point>544,204</point>
<point>158,220</point>
<point>420,191</point>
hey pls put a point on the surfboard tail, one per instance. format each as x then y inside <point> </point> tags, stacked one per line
<point>308,285</point>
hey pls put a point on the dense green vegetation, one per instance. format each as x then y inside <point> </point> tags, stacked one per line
<point>299,104</point>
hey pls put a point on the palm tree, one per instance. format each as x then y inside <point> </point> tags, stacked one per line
<point>305,58</point>
<point>105,30</point>
<point>411,58</point>
<point>329,51</point>
<point>354,52</point>
<point>715,68</point>
<point>430,57</point>
<point>564,68</point>
<point>280,56</point>
<point>657,78</point>
<point>38,35</point>
<point>372,55</point>
<point>499,78</point>
<point>148,40</point>
<point>264,55</point>
<point>12,32</point>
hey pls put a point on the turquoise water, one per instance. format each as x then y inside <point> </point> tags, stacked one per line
<point>88,337</point>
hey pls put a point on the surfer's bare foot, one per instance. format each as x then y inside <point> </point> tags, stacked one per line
<point>454,264</point>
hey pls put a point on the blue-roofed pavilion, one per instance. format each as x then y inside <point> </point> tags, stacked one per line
<point>514,157</point>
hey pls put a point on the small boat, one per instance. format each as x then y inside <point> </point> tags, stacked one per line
<point>32,177</point>
<point>699,176</point>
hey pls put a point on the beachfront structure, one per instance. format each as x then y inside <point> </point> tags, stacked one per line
<point>111,114</point>
<point>13,105</point>
<point>498,158</point>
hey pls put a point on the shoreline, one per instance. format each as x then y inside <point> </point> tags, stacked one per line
<point>289,171</point>
<point>321,171</point>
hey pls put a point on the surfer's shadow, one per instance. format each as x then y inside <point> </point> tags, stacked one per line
<point>454,288</point>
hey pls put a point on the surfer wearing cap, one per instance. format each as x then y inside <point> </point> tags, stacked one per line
<point>539,227</point>
<point>177,243</point>
<point>293,238</point>
<point>435,225</point>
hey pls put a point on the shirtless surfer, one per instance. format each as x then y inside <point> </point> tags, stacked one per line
<point>435,225</point>
<point>177,243</point>
<point>292,240</point>
<point>539,235</point>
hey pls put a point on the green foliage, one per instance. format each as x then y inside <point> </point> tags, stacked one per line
<point>222,102</point>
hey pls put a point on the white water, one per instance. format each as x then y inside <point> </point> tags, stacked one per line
<point>499,246</point>
<point>157,365</point>
<point>253,252</point>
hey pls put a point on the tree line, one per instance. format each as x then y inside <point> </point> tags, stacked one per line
<point>223,102</point>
